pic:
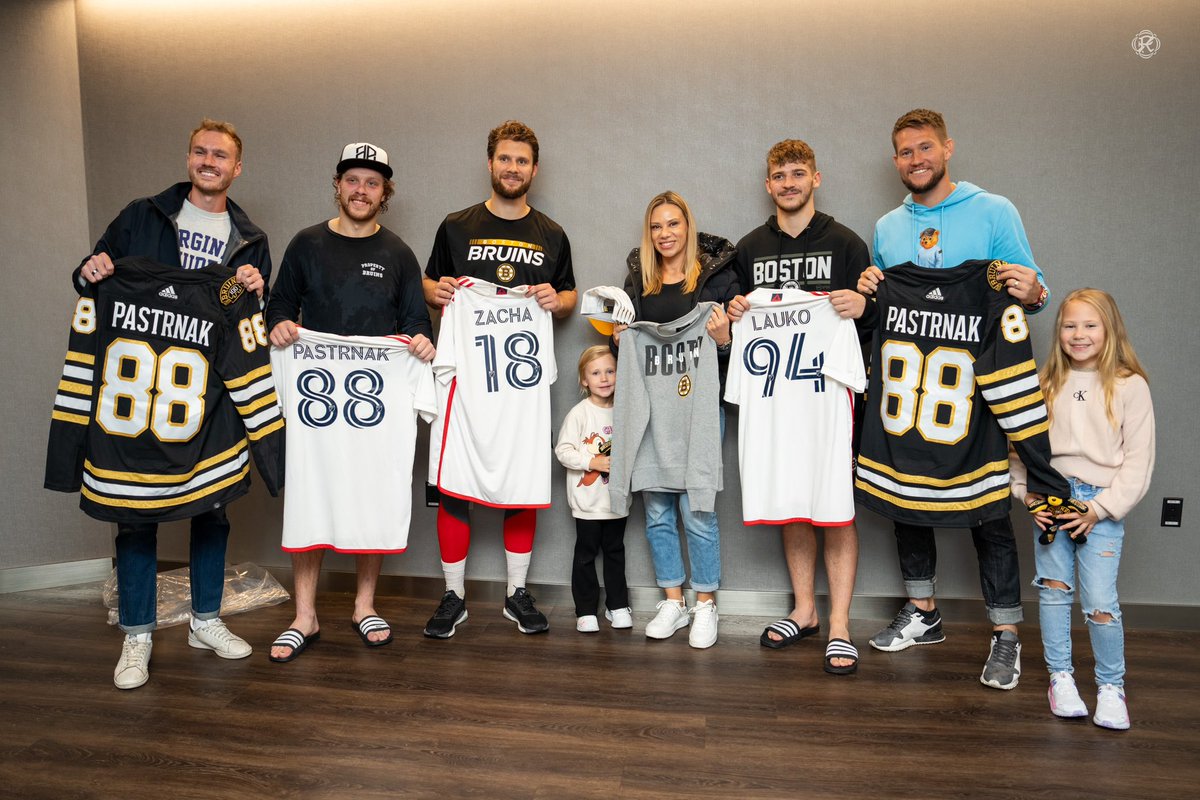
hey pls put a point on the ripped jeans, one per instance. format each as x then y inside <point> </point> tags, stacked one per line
<point>1097,587</point>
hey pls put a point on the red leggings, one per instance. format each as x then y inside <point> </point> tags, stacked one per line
<point>454,529</point>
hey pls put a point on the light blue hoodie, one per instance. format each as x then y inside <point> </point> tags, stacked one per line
<point>969,224</point>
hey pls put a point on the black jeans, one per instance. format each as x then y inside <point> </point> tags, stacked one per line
<point>593,536</point>
<point>999,569</point>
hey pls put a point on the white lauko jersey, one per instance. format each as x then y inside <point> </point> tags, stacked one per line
<point>351,404</point>
<point>494,366</point>
<point>793,370</point>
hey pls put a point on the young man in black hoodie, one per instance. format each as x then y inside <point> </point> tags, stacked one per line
<point>800,248</point>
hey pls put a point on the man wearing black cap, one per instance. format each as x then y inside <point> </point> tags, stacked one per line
<point>348,276</point>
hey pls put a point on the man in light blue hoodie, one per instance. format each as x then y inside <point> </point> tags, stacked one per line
<point>942,224</point>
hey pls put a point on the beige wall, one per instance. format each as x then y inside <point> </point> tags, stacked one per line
<point>1049,107</point>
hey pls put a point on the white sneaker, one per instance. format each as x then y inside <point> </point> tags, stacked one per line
<point>218,638</point>
<point>587,624</point>
<point>619,617</point>
<point>672,615</point>
<point>1110,708</point>
<point>704,628</point>
<point>134,667</point>
<point>1064,696</point>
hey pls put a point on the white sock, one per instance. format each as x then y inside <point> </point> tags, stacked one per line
<point>139,637</point>
<point>518,569</point>
<point>456,577</point>
<point>197,624</point>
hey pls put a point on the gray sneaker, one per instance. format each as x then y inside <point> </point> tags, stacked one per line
<point>912,626</point>
<point>1003,667</point>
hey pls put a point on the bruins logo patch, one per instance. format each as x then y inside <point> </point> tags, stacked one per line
<point>231,290</point>
<point>685,386</point>
<point>993,275</point>
<point>505,272</point>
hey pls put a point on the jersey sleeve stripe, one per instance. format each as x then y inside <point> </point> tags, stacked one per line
<point>1021,436</point>
<point>78,388</point>
<point>1020,402</point>
<point>267,416</point>
<point>249,377</point>
<point>81,358</point>
<point>265,384</point>
<point>77,373</point>
<point>246,409</point>
<point>258,434</point>
<point>62,416</point>
<point>171,501</point>
<point>1007,372</point>
<point>1027,385</point>
<point>1015,422</point>
<point>76,403</point>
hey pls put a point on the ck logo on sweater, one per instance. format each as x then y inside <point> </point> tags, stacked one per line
<point>1081,395</point>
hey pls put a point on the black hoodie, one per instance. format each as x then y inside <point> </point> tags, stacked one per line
<point>825,256</point>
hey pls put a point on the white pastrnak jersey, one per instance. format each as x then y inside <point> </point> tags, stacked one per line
<point>494,366</point>
<point>794,367</point>
<point>351,403</point>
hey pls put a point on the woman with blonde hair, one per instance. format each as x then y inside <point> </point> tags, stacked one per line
<point>675,268</point>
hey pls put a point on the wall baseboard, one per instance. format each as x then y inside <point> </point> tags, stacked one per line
<point>737,602</point>
<point>49,576</point>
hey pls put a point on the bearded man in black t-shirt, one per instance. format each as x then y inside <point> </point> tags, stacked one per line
<point>504,241</point>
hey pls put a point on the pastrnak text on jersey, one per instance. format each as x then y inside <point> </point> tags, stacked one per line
<point>160,322</point>
<point>339,352</point>
<point>673,359</point>
<point>500,316</point>
<point>933,324</point>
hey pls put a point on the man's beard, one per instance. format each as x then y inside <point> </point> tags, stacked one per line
<point>510,194</point>
<point>934,179</point>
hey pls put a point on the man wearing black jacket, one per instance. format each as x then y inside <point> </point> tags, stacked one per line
<point>191,225</point>
<point>800,248</point>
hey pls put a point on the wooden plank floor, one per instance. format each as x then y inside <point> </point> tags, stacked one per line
<point>495,714</point>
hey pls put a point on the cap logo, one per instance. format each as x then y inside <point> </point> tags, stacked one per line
<point>366,151</point>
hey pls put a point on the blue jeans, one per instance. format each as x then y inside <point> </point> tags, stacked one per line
<point>1097,561</point>
<point>703,534</point>
<point>137,570</point>
<point>999,570</point>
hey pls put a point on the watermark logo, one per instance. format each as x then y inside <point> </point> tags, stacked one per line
<point>1146,44</point>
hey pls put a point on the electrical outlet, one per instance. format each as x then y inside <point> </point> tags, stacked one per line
<point>1172,512</point>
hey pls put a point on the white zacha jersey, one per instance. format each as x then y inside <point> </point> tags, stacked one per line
<point>794,368</point>
<point>953,384</point>
<point>166,376</point>
<point>494,366</point>
<point>351,403</point>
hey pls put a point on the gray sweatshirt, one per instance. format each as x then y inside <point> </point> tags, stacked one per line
<point>667,412</point>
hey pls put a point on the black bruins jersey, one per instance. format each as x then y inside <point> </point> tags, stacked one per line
<point>167,376</point>
<point>953,381</point>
